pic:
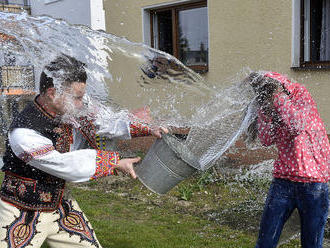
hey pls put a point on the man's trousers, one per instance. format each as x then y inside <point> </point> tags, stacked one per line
<point>67,227</point>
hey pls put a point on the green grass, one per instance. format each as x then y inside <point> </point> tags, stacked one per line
<point>126,223</point>
<point>124,214</point>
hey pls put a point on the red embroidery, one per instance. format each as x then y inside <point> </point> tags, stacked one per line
<point>10,186</point>
<point>65,139</point>
<point>39,152</point>
<point>30,194</point>
<point>45,196</point>
<point>138,129</point>
<point>87,128</point>
<point>73,222</point>
<point>21,232</point>
<point>21,189</point>
<point>106,162</point>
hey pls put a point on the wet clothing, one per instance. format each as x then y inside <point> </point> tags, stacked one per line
<point>42,154</point>
<point>300,137</point>
<point>311,200</point>
<point>301,171</point>
<point>38,160</point>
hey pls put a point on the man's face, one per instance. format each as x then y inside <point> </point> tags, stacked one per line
<point>70,100</point>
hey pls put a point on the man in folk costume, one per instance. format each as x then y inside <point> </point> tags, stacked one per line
<point>43,152</point>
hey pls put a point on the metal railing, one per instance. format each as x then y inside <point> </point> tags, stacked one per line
<point>17,77</point>
<point>15,6</point>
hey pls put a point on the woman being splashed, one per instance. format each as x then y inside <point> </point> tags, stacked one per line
<point>288,118</point>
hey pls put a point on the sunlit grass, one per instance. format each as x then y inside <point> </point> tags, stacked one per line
<point>126,215</point>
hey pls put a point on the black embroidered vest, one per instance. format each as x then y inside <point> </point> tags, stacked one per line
<point>25,186</point>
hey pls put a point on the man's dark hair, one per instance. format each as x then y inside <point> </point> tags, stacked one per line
<point>64,69</point>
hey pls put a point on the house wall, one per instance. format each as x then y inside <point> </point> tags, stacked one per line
<point>63,9</point>
<point>86,12</point>
<point>256,35</point>
<point>97,15</point>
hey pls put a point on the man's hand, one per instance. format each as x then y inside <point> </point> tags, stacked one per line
<point>143,114</point>
<point>126,166</point>
<point>158,131</point>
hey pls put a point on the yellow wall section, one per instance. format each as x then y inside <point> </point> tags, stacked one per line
<point>253,34</point>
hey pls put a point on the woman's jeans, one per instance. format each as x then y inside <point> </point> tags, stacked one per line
<point>311,200</point>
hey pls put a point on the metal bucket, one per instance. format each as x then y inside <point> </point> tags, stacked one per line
<point>163,167</point>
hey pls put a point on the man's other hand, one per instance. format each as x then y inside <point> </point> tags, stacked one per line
<point>126,166</point>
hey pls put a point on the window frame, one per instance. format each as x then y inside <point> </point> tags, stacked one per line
<point>25,3</point>
<point>302,63</point>
<point>175,30</point>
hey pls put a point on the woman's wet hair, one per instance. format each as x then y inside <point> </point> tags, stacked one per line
<point>65,70</point>
<point>264,88</point>
<point>259,81</point>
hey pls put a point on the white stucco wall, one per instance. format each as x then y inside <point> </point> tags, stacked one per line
<point>74,12</point>
<point>86,12</point>
<point>97,15</point>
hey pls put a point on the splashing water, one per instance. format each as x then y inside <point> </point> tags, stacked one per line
<point>123,75</point>
<point>226,127</point>
<point>119,71</point>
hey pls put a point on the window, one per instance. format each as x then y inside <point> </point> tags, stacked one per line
<point>15,6</point>
<point>182,31</point>
<point>16,2</point>
<point>315,34</point>
<point>17,77</point>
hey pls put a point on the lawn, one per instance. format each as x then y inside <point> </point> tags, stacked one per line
<point>204,211</point>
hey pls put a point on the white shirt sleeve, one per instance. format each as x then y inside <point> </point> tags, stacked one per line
<point>39,152</point>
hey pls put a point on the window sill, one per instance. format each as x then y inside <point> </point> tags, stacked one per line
<point>313,66</point>
<point>201,69</point>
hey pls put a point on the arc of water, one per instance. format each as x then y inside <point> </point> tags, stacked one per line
<point>207,160</point>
